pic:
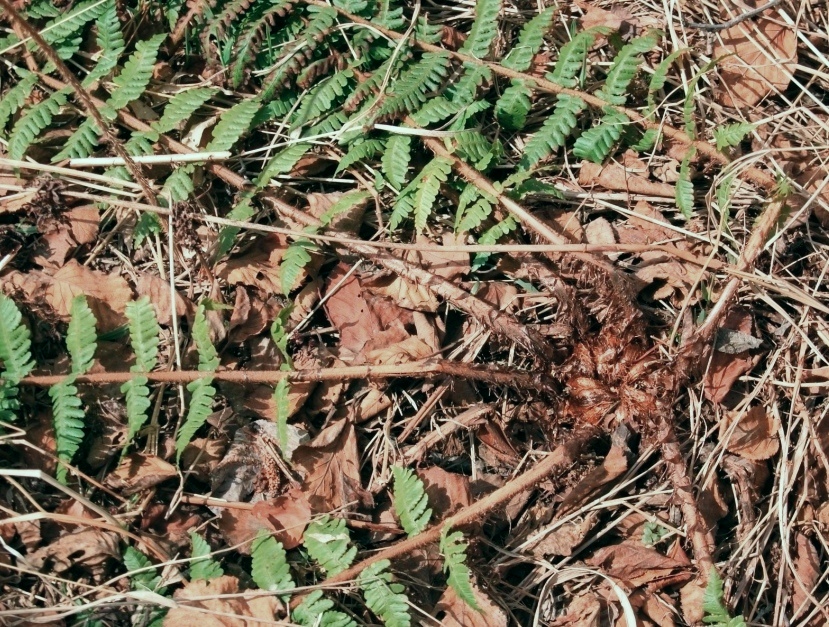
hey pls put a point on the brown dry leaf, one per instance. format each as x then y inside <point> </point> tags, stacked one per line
<point>285,516</point>
<point>260,266</point>
<point>691,596</point>
<point>250,315</point>
<point>205,453</point>
<point>586,610</point>
<point>640,230</point>
<point>137,472</point>
<point>615,177</point>
<point>595,16</point>
<point>158,291</point>
<point>502,295</point>
<point>453,611</point>
<point>349,222</point>
<point>447,491</point>
<point>749,75</point>
<point>807,571</point>
<point>331,467</point>
<point>403,292</point>
<point>725,368</point>
<point>566,537</point>
<point>448,265</point>
<point>670,275</point>
<point>54,247</point>
<point>754,436</point>
<point>211,608</point>
<point>88,548</point>
<point>635,564</point>
<point>410,349</point>
<point>613,466</point>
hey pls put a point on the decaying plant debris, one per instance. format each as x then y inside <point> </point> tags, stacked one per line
<point>563,263</point>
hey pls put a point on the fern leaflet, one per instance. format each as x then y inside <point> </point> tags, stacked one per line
<point>474,215</point>
<point>15,342</point>
<point>463,89</point>
<point>410,501</point>
<point>233,124</point>
<point>270,570</point>
<point>359,152</point>
<point>326,541</point>
<point>409,91</point>
<point>529,41</point>
<point>554,132</point>
<point>383,597</point>
<point>453,550</point>
<point>484,28</point>
<point>596,143</point>
<point>659,78</point>
<point>179,185</point>
<point>572,56</point>
<point>691,99</point>
<point>282,163</point>
<point>283,408</point>
<point>202,566</point>
<point>181,106</point>
<point>315,611</point>
<point>147,578</point>
<point>491,236</point>
<point>34,121</point>
<point>144,338</point>
<point>111,42</point>
<point>514,105</point>
<point>80,336</point>
<point>66,25</point>
<point>684,186</point>
<point>133,79</point>
<point>419,195</point>
<point>624,68</point>
<point>294,260</point>
<point>208,357</point>
<point>67,418</point>
<point>716,613</point>
<point>322,97</point>
<point>436,110</point>
<point>9,405</point>
<point>395,160</point>
<point>16,97</point>
<point>732,134</point>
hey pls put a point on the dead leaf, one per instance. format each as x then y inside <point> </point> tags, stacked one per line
<point>448,265</point>
<point>250,315</point>
<point>81,228</point>
<point>452,611</point>
<point>564,538</point>
<point>615,177</point>
<point>410,349</point>
<point>260,267</point>
<point>331,467</point>
<point>807,572</point>
<point>671,277</point>
<point>691,597</point>
<point>158,291</point>
<point>403,292</point>
<point>726,369</point>
<point>349,222</point>
<point>137,472</point>
<point>217,603</point>
<point>585,610</point>
<point>285,516</point>
<point>634,564</point>
<point>754,435</point>
<point>615,464</point>
<point>595,16</point>
<point>447,491</point>
<point>90,549</point>
<point>202,455</point>
<point>764,56</point>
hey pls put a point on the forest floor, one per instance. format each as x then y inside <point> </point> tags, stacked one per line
<point>566,264</point>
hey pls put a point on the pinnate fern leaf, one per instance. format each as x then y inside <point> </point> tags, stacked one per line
<point>326,541</point>
<point>410,90</point>
<point>419,196</point>
<point>713,607</point>
<point>625,66</point>
<point>491,236</point>
<point>15,98</point>
<point>596,143</point>
<point>148,578</point>
<point>270,569</point>
<point>410,501</point>
<point>383,597</point>
<point>67,24</point>
<point>463,89</point>
<point>33,121</point>
<point>179,185</point>
<point>315,611</point>
<point>233,124</point>
<point>208,357</point>
<point>514,105</point>
<point>9,403</point>
<point>322,97</point>
<point>203,566</point>
<point>181,107</point>
<point>395,160</point>
<point>294,260</point>
<point>684,186</point>
<point>453,550</point>
<point>484,28</point>
<point>554,132</point>
<point>283,409</point>
<point>572,56</point>
<point>529,41</point>
<point>144,338</point>
<point>110,40</point>
<point>67,418</point>
<point>660,77</point>
<point>344,205</point>
<point>359,152</point>
<point>80,336</point>
<point>475,214</point>
<point>732,134</point>
<point>15,342</point>
<point>282,163</point>
<point>436,110</point>
<point>81,143</point>
<point>132,81</point>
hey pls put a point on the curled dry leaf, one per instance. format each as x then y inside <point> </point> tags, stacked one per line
<point>137,472</point>
<point>217,603</point>
<point>807,572</point>
<point>250,316</point>
<point>453,611</point>
<point>55,247</point>
<point>90,549</point>
<point>585,610</point>
<point>752,435</point>
<point>565,538</point>
<point>158,291</point>
<point>763,58</point>
<point>634,564</point>
<point>285,517</point>
<point>725,368</point>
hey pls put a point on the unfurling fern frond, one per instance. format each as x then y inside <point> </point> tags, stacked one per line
<point>395,160</point>
<point>326,541</point>
<point>625,66</point>
<point>596,143</point>
<point>181,106</point>
<point>514,105</point>
<point>15,342</point>
<point>419,196</point>
<point>81,339</point>
<point>203,566</point>
<point>110,40</point>
<point>15,98</point>
<point>554,132</point>
<point>270,569</point>
<point>529,41</point>
<point>732,134</point>
<point>315,611</point>
<point>410,90</point>
<point>67,418</point>
<point>33,121</point>
<point>386,599</point>
<point>684,186</point>
<point>144,338</point>
<point>484,28</point>
<point>453,550</point>
<point>410,501</point>
<point>714,609</point>
<point>234,123</point>
<point>572,56</point>
<point>359,152</point>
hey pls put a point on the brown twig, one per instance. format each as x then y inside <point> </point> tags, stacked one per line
<point>714,28</point>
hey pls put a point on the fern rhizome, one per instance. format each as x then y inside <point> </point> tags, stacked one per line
<point>428,131</point>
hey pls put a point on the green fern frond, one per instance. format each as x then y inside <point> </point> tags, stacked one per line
<point>410,501</point>
<point>208,357</point>
<point>491,236</point>
<point>386,599</point>
<point>315,611</point>
<point>660,77</point>
<point>691,99</point>
<point>344,205</point>
<point>419,196</point>
<point>9,404</point>
<point>471,215</point>
<point>514,105</point>
<point>201,404</point>
<point>81,143</point>
<point>280,398</point>
<point>372,83</point>
<point>15,98</point>
<point>322,21</point>
<point>554,132</point>
<point>453,550</point>
<point>572,56</point>
<point>181,107</point>
<point>326,541</point>
<point>42,9</point>
<point>732,134</point>
<point>132,81</point>
<point>179,185</point>
<point>644,141</point>
<point>294,260</point>
<point>529,41</point>
<point>68,24</point>
<point>625,66</point>
<point>242,212</point>
<point>202,566</point>
<point>270,569</point>
<point>279,334</point>
<point>684,186</point>
<point>34,121</point>
<point>81,338</point>
<point>715,611</point>
<point>137,400</point>
<point>359,152</point>
<point>436,110</point>
<point>464,88</point>
<point>321,98</point>
<point>395,160</point>
<point>410,90</point>
<point>248,42</point>
<point>67,418</point>
<point>148,578</point>
<point>282,163</point>
<point>144,334</point>
<point>596,143</point>
<point>234,123</point>
<point>15,342</point>
<point>110,40</point>
<point>148,224</point>
<point>484,29</point>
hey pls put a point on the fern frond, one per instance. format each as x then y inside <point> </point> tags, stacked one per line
<point>16,98</point>
<point>67,418</point>
<point>280,398</point>
<point>453,550</point>
<point>554,132</point>
<point>270,569</point>
<point>409,91</point>
<point>181,107</point>
<point>234,123</point>
<point>684,186</point>
<point>644,141</point>
<point>144,334</point>
<point>463,89</point>
<point>208,357</point>
<point>132,81</point>
<point>473,215</point>
<point>179,185</point>
<point>436,110</point>
<point>33,121</point>
<point>137,400</point>
<point>625,66</point>
<point>713,607</point>
<point>249,40</point>
<point>371,84</point>
<point>81,143</point>
<point>15,342</point>
<point>322,97</point>
<point>346,203</point>
<point>395,160</point>
<point>419,195</point>
<point>691,99</point>
<point>294,260</point>
<point>572,56</point>
<point>514,105</point>
<point>383,597</point>
<point>201,404</point>
<point>732,134</point>
<point>9,404</point>
<point>110,40</point>
<point>202,566</point>
<point>359,152</point>
<point>484,29</point>
<point>315,611</point>
<point>596,143</point>
<point>282,163</point>
<point>322,21</point>
<point>660,77</point>
<point>529,41</point>
<point>68,24</point>
<point>410,501</point>
<point>491,236</point>
<point>148,578</point>
<point>326,541</point>
<point>43,9</point>
<point>81,338</point>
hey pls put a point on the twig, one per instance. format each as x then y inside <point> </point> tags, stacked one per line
<point>734,21</point>
<point>97,162</point>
